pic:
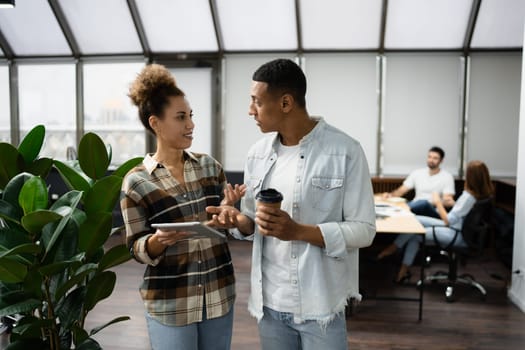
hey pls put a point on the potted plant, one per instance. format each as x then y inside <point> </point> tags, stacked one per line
<point>53,266</point>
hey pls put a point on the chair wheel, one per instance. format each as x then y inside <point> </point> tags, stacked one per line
<point>449,294</point>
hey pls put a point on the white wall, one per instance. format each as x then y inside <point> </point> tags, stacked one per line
<point>517,290</point>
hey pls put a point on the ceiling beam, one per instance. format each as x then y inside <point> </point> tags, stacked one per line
<point>139,26</point>
<point>298,26</point>
<point>473,18</point>
<point>6,48</point>
<point>382,29</point>
<point>217,26</point>
<point>64,26</point>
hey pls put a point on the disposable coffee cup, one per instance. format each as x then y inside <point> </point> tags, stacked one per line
<point>269,197</point>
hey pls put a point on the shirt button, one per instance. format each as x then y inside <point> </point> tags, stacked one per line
<point>294,281</point>
<point>298,179</point>
<point>293,256</point>
<point>295,205</point>
<point>200,261</point>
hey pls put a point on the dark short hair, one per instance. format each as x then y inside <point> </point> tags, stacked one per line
<point>283,76</point>
<point>438,150</point>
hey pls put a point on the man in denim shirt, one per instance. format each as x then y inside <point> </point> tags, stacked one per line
<point>305,255</point>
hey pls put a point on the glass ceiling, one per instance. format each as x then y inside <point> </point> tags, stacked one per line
<point>49,28</point>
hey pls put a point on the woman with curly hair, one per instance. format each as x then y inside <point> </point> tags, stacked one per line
<point>188,288</point>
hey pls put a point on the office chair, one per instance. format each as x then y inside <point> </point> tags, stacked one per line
<point>475,232</point>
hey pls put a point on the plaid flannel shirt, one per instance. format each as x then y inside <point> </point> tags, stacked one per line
<point>176,282</point>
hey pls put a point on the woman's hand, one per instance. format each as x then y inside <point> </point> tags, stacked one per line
<point>224,216</point>
<point>233,194</point>
<point>160,240</point>
<point>170,237</point>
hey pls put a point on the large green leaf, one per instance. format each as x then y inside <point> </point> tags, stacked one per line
<point>123,169</point>
<point>21,307</point>
<point>40,167</point>
<point>33,283</point>
<point>100,287</point>
<point>58,230</point>
<point>34,221</point>
<point>24,344</point>
<point>115,256</point>
<point>89,344</point>
<point>94,232</point>
<point>33,195</point>
<point>32,143</point>
<point>74,179</point>
<point>11,163</point>
<point>56,267</point>
<point>113,321</point>
<point>12,271</point>
<point>93,156</point>
<point>64,204</point>
<point>103,195</point>
<point>67,244</point>
<point>69,310</point>
<point>78,278</point>
<point>30,248</point>
<point>10,212</point>
<point>13,237</point>
<point>13,188</point>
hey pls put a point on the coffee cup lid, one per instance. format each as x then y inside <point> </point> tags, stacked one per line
<point>269,195</point>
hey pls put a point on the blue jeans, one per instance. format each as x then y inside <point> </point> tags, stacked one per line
<point>212,334</point>
<point>411,243</point>
<point>424,208</point>
<point>278,331</point>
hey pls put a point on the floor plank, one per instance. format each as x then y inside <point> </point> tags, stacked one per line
<point>469,323</point>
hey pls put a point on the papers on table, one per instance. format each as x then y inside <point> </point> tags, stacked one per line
<point>384,210</point>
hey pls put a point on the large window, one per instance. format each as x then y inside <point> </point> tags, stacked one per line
<point>47,96</point>
<point>422,108</point>
<point>5,124</point>
<point>239,129</point>
<point>494,108</point>
<point>342,89</point>
<point>108,111</point>
<point>197,84</point>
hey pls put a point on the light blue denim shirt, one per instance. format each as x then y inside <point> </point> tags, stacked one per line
<point>333,191</point>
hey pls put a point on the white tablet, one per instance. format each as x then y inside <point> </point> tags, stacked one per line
<point>195,228</point>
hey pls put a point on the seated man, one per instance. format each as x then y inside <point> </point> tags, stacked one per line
<point>425,181</point>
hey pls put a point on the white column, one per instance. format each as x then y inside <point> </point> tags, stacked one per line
<point>517,290</point>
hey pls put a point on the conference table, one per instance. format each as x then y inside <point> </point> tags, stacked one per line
<point>393,216</point>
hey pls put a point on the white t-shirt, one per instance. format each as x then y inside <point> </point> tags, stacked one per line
<point>424,184</point>
<point>279,292</point>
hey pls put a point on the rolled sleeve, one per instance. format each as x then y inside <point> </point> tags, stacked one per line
<point>334,241</point>
<point>140,251</point>
<point>340,237</point>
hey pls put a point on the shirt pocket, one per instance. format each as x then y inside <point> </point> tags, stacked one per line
<point>327,192</point>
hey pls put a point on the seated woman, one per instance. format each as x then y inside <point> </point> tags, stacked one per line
<point>477,186</point>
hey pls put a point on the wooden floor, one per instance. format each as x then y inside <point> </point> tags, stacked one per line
<point>468,323</point>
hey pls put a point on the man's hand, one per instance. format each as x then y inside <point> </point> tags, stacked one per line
<point>233,194</point>
<point>276,223</point>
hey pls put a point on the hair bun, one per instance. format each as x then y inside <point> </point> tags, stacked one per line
<point>150,80</point>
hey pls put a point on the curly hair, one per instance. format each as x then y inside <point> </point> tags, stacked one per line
<point>151,91</point>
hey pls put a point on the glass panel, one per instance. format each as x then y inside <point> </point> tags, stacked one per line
<point>239,129</point>
<point>422,108</point>
<point>108,110</point>
<point>258,25</point>
<point>178,25</point>
<point>52,105</point>
<point>431,24</point>
<point>31,29</point>
<point>352,82</point>
<point>196,84</point>
<point>499,24</point>
<point>5,119</point>
<point>95,19</point>
<point>339,24</point>
<point>494,109</point>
